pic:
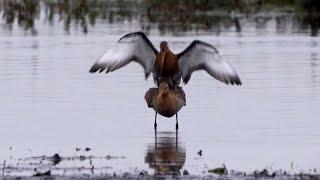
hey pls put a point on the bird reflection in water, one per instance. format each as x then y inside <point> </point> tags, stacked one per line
<point>166,155</point>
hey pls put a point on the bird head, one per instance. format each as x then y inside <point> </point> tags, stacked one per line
<point>164,46</point>
<point>164,87</point>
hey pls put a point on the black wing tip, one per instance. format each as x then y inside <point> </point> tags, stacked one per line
<point>97,68</point>
<point>140,33</point>
<point>94,68</point>
<point>234,81</point>
<point>237,81</point>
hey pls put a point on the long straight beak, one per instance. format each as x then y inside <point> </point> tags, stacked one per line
<point>162,56</point>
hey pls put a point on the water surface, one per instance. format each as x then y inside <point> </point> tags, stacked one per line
<point>50,103</point>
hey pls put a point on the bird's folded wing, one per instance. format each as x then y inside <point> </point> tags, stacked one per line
<point>150,95</point>
<point>203,56</point>
<point>179,93</point>
<point>131,47</point>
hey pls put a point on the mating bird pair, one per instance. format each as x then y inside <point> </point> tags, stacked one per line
<point>167,68</point>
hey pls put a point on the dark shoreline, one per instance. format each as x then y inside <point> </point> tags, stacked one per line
<point>49,167</point>
<point>147,176</point>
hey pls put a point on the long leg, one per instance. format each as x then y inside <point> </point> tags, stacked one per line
<point>156,145</point>
<point>155,138</point>
<point>176,138</point>
<point>155,121</point>
<point>177,124</point>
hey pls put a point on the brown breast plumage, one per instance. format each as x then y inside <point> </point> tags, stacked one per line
<point>170,65</point>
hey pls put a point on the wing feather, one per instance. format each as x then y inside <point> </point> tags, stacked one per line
<point>131,47</point>
<point>203,56</point>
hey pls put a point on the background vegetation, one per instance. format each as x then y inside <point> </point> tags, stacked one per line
<point>167,15</point>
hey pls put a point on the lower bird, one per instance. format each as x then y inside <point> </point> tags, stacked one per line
<point>165,101</point>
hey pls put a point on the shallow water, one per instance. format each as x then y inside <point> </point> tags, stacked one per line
<point>50,103</point>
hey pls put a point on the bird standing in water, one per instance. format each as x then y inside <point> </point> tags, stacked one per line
<point>165,64</point>
<point>167,68</point>
<point>165,101</point>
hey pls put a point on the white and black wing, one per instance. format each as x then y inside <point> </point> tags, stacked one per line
<point>131,47</point>
<point>203,56</point>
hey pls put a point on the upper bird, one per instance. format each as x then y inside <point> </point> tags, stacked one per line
<point>165,64</point>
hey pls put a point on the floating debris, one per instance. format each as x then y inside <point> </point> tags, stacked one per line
<point>265,173</point>
<point>143,173</point>
<point>47,173</point>
<point>4,167</point>
<point>87,149</point>
<point>220,170</point>
<point>199,153</point>
<point>82,158</point>
<point>185,173</point>
<point>56,159</point>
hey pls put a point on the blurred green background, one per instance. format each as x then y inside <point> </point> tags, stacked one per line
<point>167,16</point>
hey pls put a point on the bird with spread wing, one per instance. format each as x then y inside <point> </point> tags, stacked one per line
<point>164,64</point>
<point>167,68</point>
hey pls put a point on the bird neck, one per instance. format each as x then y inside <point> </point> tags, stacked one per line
<point>163,94</point>
<point>163,99</point>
